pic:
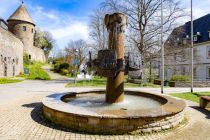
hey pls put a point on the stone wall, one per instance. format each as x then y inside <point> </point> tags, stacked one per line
<point>188,84</point>
<point>11,54</point>
<point>37,54</point>
<point>106,125</point>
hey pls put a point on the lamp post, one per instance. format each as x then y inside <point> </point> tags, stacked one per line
<point>162,50</point>
<point>76,64</point>
<point>192,44</point>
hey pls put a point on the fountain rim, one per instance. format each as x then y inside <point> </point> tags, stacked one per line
<point>170,106</point>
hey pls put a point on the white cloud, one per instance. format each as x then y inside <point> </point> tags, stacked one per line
<point>63,26</point>
<point>7,7</point>
<point>72,30</point>
<point>200,8</point>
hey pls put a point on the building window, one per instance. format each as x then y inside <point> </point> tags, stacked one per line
<point>16,61</point>
<point>29,56</point>
<point>24,28</point>
<point>2,58</point>
<point>32,30</point>
<point>208,51</point>
<point>208,72</point>
<point>194,72</point>
<point>175,56</point>
<point>195,38</point>
<point>183,71</point>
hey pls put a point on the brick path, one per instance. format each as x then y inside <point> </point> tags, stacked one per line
<point>21,117</point>
<point>22,120</point>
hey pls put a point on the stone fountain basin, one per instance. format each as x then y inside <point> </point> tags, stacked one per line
<point>169,114</point>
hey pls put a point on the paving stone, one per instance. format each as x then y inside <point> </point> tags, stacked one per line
<point>21,119</point>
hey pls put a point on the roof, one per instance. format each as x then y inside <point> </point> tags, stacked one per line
<point>201,25</point>
<point>21,14</point>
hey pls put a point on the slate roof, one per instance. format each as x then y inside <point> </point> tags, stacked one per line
<point>201,25</point>
<point>21,14</point>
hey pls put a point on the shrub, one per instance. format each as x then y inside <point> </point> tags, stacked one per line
<point>64,66</point>
<point>58,67</point>
<point>180,78</point>
<point>64,71</point>
<point>37,73</point>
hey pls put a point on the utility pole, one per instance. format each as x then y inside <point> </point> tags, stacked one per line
<point>162,50</point>
<point>192,44</point>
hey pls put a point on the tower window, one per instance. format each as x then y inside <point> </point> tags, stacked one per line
<point>16,60</point>
<point>32,30</point>
<point>24,28</point>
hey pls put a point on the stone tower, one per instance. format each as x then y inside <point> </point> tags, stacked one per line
<point>21,24</point>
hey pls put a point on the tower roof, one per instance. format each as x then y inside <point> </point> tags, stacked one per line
<point>21,14</point>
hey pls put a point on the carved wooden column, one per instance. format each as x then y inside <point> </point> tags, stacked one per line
<point>116,25</point>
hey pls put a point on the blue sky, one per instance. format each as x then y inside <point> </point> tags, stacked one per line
<point>65,19</point>
<point>69,19</point>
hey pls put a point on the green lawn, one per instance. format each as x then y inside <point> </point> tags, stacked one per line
<point>36,72</point>
<point>190,96</point>
<point>101,82</point>
<point>9,80</point>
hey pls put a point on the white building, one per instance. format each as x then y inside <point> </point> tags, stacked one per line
<point>178,51</point>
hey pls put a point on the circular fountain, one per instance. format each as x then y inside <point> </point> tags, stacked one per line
<point>114,111</point>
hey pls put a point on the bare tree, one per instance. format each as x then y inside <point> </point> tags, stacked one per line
<point>144,21</point>
<point>80,47</point>
<point>98,31</point>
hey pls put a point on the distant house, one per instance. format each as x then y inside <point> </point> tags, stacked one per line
<point>178,51</point>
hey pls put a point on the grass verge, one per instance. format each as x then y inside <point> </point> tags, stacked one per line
<point>191,96</point>
<point>9,80</point>
<point>36,72</point>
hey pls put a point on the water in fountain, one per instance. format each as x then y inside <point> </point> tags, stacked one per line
<point>97,101</point>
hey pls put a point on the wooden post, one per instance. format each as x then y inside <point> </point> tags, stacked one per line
<point>116,24</point>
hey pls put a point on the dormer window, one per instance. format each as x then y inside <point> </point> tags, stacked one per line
<point>198,33</point>
<point>24,28</point>
<point>195,38</point>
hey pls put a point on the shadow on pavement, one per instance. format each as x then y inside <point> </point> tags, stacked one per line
<point>37,116</point>
<point>59,81</point>
<point>204,111</point>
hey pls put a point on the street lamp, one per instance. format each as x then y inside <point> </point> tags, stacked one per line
<point>192,44</point>
<point>76,53</point>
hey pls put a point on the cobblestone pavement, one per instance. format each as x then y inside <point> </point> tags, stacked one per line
<point>22,120</point>
<point>21,116</point>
